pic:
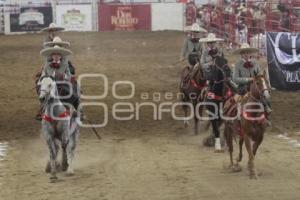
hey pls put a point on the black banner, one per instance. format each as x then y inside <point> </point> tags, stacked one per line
<point>31,19</point>
<point>283,51</point>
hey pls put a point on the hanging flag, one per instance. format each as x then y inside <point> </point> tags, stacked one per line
<point>283,52</point>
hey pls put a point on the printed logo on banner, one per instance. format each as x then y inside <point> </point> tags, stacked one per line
<point>284,60</point>
<point>124,19</point>
<point>286,48</point>
<point>31,19</point>
<point>31,16</point>
<point>73,18</point>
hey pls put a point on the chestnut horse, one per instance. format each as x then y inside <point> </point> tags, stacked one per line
<point>251,123</point>
<point>192,86</point>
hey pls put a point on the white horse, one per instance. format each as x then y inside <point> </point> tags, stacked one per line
<point>58,125</point>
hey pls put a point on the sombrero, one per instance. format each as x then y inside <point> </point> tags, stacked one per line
<point>246,47</point>
<point>242,8</point>
<point>211,38</point>
<point>57,50</point>
<point>57,42</point>
<point>195,28</point>
<point>52,27</point>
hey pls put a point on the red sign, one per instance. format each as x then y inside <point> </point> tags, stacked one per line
<point>124,17</point>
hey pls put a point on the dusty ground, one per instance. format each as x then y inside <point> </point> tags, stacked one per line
<point>143,159</point>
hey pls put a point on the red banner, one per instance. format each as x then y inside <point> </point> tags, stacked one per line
<point>124,17</point>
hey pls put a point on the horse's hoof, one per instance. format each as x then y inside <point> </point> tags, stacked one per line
<point>227,166</point>
<point>239,159</point>
<point>236,168</point>
<point>69,174</point>
<point>186,124</point>
<point>253,176</point>
<point>53,179</point>
<point>64,166</point>
<point>48,168</point>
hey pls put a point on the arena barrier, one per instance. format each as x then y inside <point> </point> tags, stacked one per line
<point>93,15</point>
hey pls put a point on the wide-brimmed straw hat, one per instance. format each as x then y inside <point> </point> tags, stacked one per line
<point>246,47</point>
<point>55,50</point>
<point>52,27</point>
<point>211,38</point>
<point>242,8</point>
<point>57,41</point>
<point>195,28</point>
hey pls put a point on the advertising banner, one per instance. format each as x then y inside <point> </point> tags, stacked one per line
<point>124,17</point>
<point>284,60</point>
<point>30,19</point>
<point>167,16</point>
<point>74,17</point>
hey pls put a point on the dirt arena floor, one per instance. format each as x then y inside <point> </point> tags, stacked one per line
<point>136,160</point>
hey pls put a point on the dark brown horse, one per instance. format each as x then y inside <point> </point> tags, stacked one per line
<point>192,86</point>
<point>251,124</point>
<point>219,91</point>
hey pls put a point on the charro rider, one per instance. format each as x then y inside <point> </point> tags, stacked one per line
<point>57,41</point>
<point>57,66</point>
<point>51,32</point>
<point>218,74</point>
<point>209,52</point>
<point>244,71</point>
<point>192,48</point>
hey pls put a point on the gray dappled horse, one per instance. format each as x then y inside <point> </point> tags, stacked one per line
<point>58,125</point>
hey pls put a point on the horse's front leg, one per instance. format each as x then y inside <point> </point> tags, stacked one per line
<point>228,138</point>
<point>240,157</point>
<point>64,158</point>
<point>53,154</point>
<point>196,120</point>
<point>185,110</point>
<point>70,153</point>
<point>197,116</point>
<point>257,143</point>
<point>251,167</point>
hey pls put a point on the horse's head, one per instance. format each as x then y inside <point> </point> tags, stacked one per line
<point>260,86</point>
<point>47,87</point>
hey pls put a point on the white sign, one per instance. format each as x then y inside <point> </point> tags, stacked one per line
<point>167,16</point>
<point>74,17</point>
